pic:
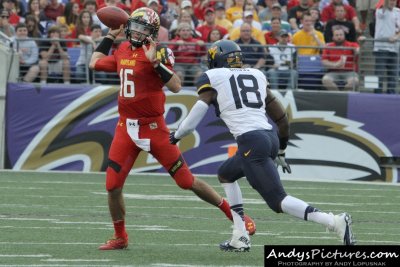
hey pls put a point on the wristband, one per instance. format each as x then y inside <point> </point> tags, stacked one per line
<point>164,72</point>
<point>105,46</point>
<point>283,142</point>
<point>112,35</point>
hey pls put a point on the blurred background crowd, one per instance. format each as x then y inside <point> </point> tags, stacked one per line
<point>336,44</point>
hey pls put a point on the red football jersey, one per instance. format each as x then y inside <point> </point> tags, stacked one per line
<point>141,94</point>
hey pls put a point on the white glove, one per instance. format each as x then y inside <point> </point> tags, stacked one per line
<point>280,160</point>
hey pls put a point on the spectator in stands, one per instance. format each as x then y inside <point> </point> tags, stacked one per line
<point>311,3</point>
<point>199,7</point>
<point>88,45</point>
<point>364,7</point>
<point>184,16</point>
<point>255,33</point>
<point>272,36</point>
<point>328,13</point>
<point>282,72</point>
<point>308,36</point>
<point>268,12</point>
<point>340,21</point>
<point>220,19</point>
<point>209,24</point>
<point>91,6</point>
<point>213,36</point>
<point>250,11</point>
<point>11,6</point>
<point>43,4</point>
<point>249,5</point>
<point>83,25</point>
<point>386,45</point>
<point>254,53</point>
<point>54,9</point>
<point>35,30</point>
<point>5,26</point>
<point>324,3</point>
<point>188,52</point>
<point>296,14</point>
<point>28,53</point>
<point>117,3</point>
<point>163,34</point>
<point>187,6</point>
<point>261,4</point>
<point>35,10</point>
<point>65,33</point>
<point>276,12</point>
<point>341,63</point>
<point>315,15</point>
<point>70,17</point>
<point>235,11</point>
<point>54,57</point>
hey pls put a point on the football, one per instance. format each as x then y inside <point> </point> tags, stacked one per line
<point>112,16</point>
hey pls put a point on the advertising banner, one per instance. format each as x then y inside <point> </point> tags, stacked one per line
<point>334,135</point>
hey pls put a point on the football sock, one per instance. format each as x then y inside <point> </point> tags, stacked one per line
<point>294,206</point>
<point>224,206</point>
<point>302,210</point>
<point>238,221</point>
<point>119,227</point>
<point>321,218</point>
<point>233,193</point>
<point>234,196</point>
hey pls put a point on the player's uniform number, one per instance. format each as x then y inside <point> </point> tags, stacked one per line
<point>239,81</point>
<point>127,86</point>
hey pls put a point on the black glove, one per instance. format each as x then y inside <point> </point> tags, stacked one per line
<point>281,161</point>
<point>172,138</point>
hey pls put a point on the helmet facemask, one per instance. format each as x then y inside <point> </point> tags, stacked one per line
<point>137,33</point>
<point>143,23</point>
<point>234,60</point>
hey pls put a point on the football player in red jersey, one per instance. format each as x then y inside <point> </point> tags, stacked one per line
<point>143,69</point>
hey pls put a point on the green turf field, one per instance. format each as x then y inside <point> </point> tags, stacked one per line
<point>59,219</point>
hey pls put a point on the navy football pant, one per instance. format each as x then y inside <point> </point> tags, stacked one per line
<point>255,160</point>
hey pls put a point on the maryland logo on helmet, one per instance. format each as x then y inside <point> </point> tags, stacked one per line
<point>144,22</point>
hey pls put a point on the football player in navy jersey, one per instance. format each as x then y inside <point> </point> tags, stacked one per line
<point>242,100</point>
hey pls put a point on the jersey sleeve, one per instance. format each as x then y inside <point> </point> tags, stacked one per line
<point>203,83</point>
<point>107,64</point>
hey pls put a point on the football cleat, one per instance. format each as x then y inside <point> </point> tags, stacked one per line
<point>250,224</point>
<point>342,226</point>
<point>115,243</point>
<point>240,242</point>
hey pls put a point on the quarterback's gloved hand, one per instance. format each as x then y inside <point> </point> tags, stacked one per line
<point>172,138</point>
<point>281,161</point>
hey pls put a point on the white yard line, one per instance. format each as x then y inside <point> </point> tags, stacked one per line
<point>63,265</point>
<point>77,260</point>
<point>25,256</point>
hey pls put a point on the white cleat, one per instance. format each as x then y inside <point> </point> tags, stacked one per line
<point>342,226</point>
<point>240,242</point>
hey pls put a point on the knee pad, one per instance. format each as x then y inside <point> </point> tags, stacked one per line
<point>114,176</point>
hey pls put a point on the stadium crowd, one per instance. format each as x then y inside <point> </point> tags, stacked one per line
<point>276,36</point>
